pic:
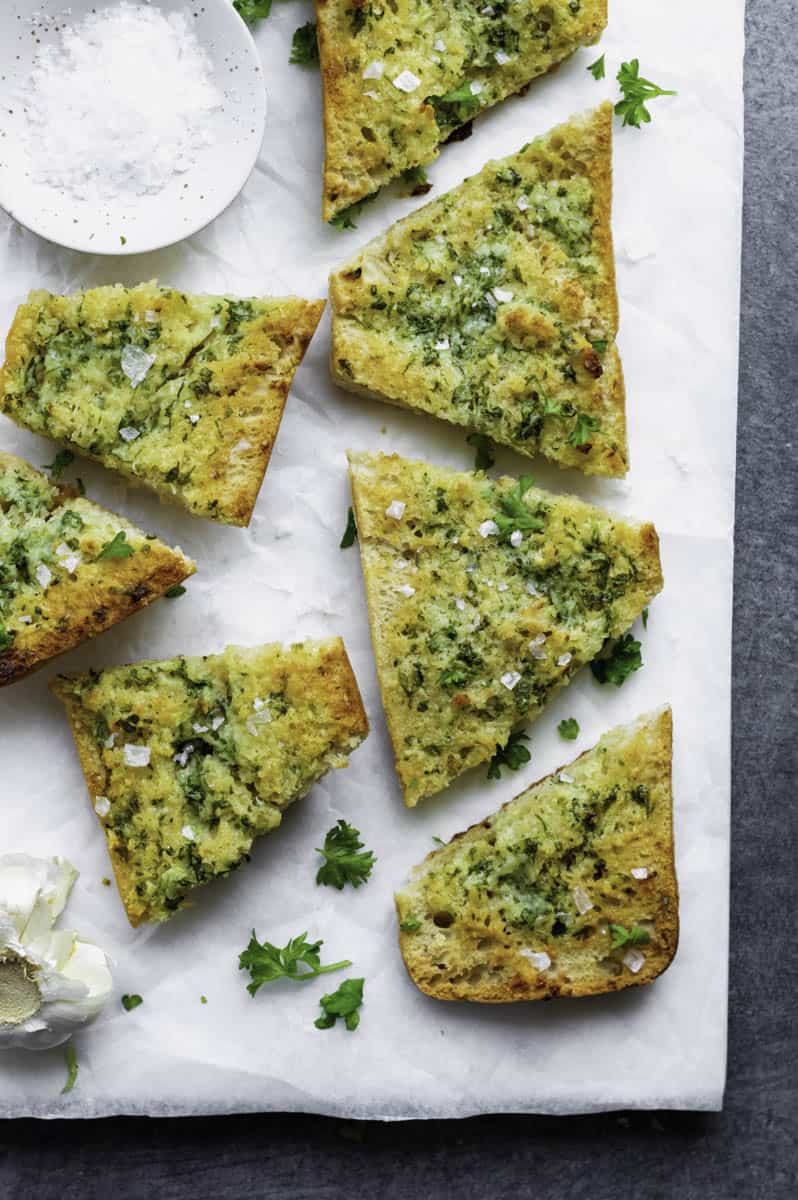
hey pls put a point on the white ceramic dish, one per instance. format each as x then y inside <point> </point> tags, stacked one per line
<point>190,200</point>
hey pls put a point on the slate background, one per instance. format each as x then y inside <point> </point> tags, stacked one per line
<point>749,1150</point>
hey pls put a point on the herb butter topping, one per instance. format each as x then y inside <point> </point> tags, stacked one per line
<point>457,677</point>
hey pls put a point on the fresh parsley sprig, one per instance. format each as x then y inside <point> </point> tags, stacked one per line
<point>512,755</point>
<point>345,860</point>
<point>514,512</point>
<point>636,94</point>
<point>350,533</point>
<point>62,460</point>
<point>344,1003</point>
<point>618,659</point>
<point>118,547</point>
<point>636,936</point>
<point>305,45</point>
<point>484,457</point>
<point>266,962</point>
<point>597,69</point>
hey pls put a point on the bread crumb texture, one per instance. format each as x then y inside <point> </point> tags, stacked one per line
<point>182,394</point>
<point>57,588</point>
<point>188,760</point>
<point>568,890</point>
<point>400,78</point>
<point>484,597</point>
<point>495,306</point>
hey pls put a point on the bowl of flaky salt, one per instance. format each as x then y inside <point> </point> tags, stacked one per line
<point>127,125</point>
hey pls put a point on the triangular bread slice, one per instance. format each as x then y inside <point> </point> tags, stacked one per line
<point>568,890</point>
<point>188,760</point>
<point>484,597</point>
<point>182,394</point>
<point>59,583</point>
<point>400,78</point>
<point>494,307</point>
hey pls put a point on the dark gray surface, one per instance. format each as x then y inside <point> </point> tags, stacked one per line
<point>746,1152</point>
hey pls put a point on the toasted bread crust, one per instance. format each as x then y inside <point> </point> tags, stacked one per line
<point>96,596</point>
<point>374,130</point>
<point>271,764</point>
<point>483,954</point>
<point>537,370</point>
<point>214,467</point>
<point>464,723</point>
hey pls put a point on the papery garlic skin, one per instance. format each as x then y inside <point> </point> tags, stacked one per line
<point>51,980</point>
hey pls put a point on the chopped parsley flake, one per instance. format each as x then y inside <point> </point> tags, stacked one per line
<point>597,69</point>
<point>484,457</point>
<point>59,464</point>
<point>618,659</point>
<point>305,45</point>
<point>118,547</point>
<point>343,1003</point>
<point>350,533</point>
<point>513,755</point>
<point>129,1002</point>
<point>636,936</point>
<point>569,729</point>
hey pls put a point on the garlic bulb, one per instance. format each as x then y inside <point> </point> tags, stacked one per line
<point>51,981</point>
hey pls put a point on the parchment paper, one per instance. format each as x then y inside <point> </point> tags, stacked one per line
<point>677,229</point>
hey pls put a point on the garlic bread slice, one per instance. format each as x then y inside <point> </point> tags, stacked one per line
<point>68,569</point>
<point>495,308</point>
<point>188,760</point>
<point>484,597</point>
<point>568,890</point>
<point>400,78</point>
<point>182,394</point>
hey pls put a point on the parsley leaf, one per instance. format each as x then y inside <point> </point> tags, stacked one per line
<point>71,1056</point>
<point>253,10</point>
<point>597,69</point>
<point>342,1003</point>
<point>345,219</point>
<point>585,425</point>
<point>484,458</point>
<point>345,859</point>
<point>6,637</point>
<point>118,547</point>
<point>174,592</point>
<point>410,925</point>
<point>618,659</point>
<point>305,45</point>
<point>636,93</point>
<point>417,181</point>
<point>131,1002</point>
<point>636,936</point>
<point>455,107</point>
<point>569,729</point>
<point>645,618</point>
<point>515,514</point>
<point>513,755</point>
<point>59,464</point>
<point>266,962</point>
<point>350,533</point>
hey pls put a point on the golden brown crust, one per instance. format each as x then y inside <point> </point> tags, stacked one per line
<point>492,967</point>
<point>98,595</point>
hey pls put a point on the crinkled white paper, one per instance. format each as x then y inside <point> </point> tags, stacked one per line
<point>677,228</point>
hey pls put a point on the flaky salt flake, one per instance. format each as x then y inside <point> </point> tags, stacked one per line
<point>488,529</point>
<point>522,203</point>
<point>199,728</point>
<point>503,295</point>
<point>129,434</point>
<point>501,57</point>
<point>102,806</point>
<point>407,82</point>
<point>459,604</point>
<point>538,639</point>
<point>136,364</point>
<point>440,45</point>
<point>217,723</point>
<point>564,660</point>
<point>372,95</point>
<point>182,756</point>
<point>109,741</point>
<point>502,587</point>
<point>639,872</point>
<point>582,901</point>
<point>71,563</point>
<point>396,509</point>
<point>531,588</point>
<point>564,777</point>
<point>188,833</point>
<point>374,70</point>
<point>443,344</point>
<point>634,960</point>
<point>137,756</point>
<point>458,279</point>
<point>538,958</point>
<point>476,87</point>
<point>516,538</point>
<point>44,576</point>
<point>407,590</point>
<point>510,679</point>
